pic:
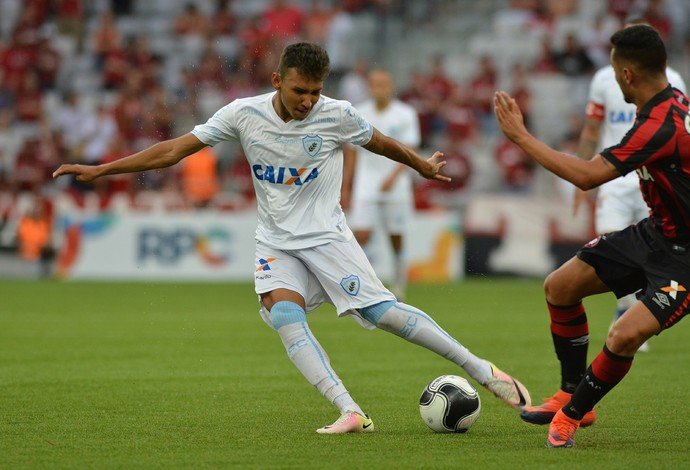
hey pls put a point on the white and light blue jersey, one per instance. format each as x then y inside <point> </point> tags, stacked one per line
<point>606,103</point>
<point>297,166</point>
<point>618,116</point>
<point>399,121</point>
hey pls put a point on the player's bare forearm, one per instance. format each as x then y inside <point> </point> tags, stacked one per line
<point>160,155</point>
<point>396,151</point>
<point>585,174</point>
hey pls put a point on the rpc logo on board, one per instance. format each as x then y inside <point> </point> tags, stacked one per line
<point>171,246</point>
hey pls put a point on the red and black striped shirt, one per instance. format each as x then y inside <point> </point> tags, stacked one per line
<point>658,148</point>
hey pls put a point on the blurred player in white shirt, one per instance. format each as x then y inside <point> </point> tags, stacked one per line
<point>382,188</point>
<point>608,118</point>
<point>305,252</point>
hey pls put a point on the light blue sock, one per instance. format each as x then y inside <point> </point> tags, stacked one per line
<point>290,321</point>
<point>417,327</point>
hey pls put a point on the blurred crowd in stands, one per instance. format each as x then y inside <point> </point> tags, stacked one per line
<point>93,81</point>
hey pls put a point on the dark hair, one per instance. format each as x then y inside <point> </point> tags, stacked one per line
<point>642,46</point>
<point>309,59</point>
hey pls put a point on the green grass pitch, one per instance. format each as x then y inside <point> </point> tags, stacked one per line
<point>142,375</point>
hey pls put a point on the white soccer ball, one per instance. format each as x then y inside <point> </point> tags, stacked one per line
<point>449,404</point>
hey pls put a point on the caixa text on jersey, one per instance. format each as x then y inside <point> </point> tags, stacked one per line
<point>284,175</point>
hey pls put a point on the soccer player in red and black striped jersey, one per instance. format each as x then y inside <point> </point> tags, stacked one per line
<point>651,258</point>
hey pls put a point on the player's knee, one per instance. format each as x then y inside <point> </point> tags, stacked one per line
<point>285,313</point>
<point>558,290</point>
<point>624,341</point>
<point>373,313</point>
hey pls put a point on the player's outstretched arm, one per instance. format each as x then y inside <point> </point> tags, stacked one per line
<point>391,148</point>
<point>160,155</point>
<point>583,174</point>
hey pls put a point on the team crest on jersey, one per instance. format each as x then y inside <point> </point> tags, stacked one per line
<point>350,284</point>
<point>312,144</point>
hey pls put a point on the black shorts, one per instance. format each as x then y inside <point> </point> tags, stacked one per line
<point>639,258</point>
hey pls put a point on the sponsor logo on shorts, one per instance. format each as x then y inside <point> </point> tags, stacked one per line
<point>661,300</point>
<point>673,289</point>
<point>263,264</point>
<point>350,284</point>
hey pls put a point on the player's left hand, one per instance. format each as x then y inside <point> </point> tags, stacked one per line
<point>436,162</point>
<point>509,116</point>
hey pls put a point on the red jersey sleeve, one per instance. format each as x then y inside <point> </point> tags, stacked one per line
<point>650,139</point>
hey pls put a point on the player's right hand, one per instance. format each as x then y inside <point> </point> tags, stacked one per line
<point>83,173</point>
<point>435,165</point>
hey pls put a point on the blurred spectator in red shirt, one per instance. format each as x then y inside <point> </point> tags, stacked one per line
<point>283,20</point>
<point>223,22</point>
<point>17,58</point>
<point>30,99</point>
<point>33,166</point>
<point>128,112</point>
<point>106,39</point>
<point>160,111</point>
<point>483,86</point>
<point>6,95</point>
<point>118,148</point>
<point>459,116</point>
<point>139,56</point>
<point>656,17</point>
<point>115,68</point>
<point>47,64</point>
<point>516,167</point>
<point>437,82</point>
<point>416,95</point>
<point>39,10</point>
<point>192,22</point>
<point>238,85</point>
<point>620,8</point>
<point>545,62</point>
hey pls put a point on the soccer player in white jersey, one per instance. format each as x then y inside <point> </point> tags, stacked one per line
<point>608,118</point>
<point>305,252</point>
<point>382,188</point>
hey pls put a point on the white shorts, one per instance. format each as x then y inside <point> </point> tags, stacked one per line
<point>393,216</point>
<point>619,206</point>
<point>337,272</point>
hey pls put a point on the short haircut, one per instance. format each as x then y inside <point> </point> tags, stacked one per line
<point>309,59</point>
<point>642,46</point>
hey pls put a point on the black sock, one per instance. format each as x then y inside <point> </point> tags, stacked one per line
<point>570,334</point>
<point>606,371</point>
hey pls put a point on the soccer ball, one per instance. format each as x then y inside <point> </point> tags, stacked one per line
<point>449,404</point>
